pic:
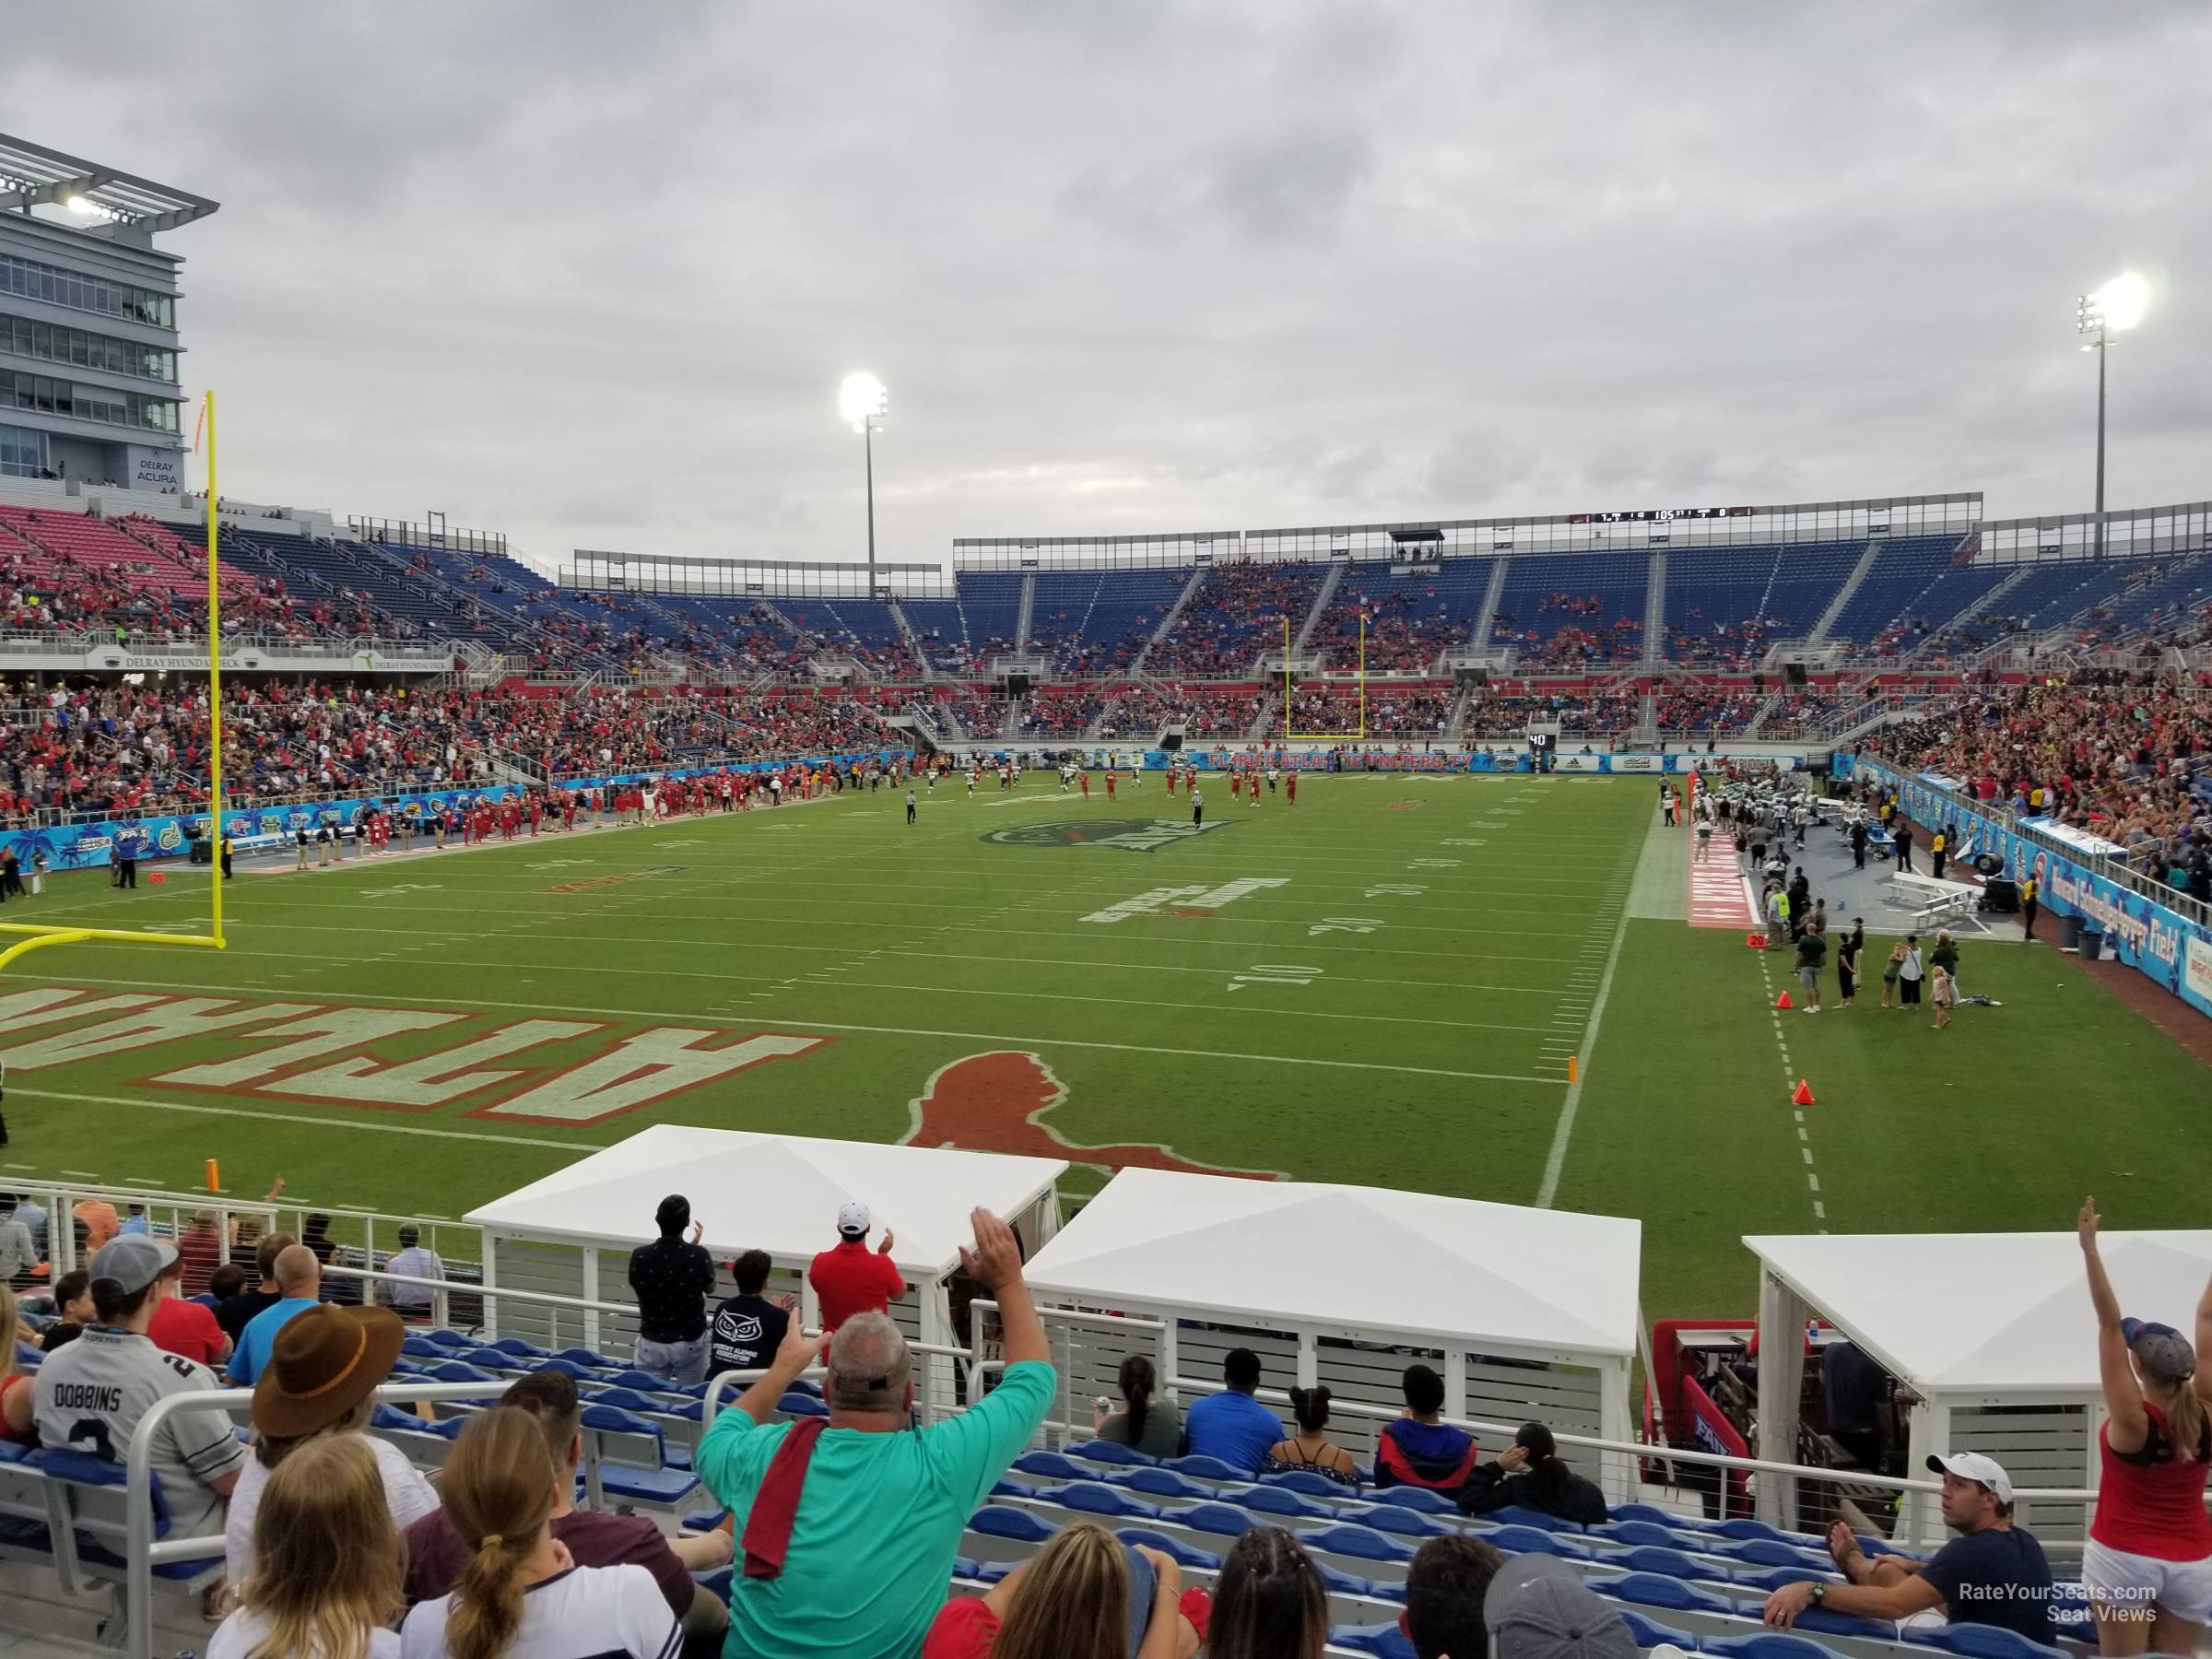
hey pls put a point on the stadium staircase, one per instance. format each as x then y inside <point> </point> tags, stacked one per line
<point>912,641</point>
<point>1321,604</point>
<point>1843,593</point>
<point>1167,623</point>
<point>1771,701</point>
<point>1480,637</point>
<point>1028,605</point>
<point>1654,612</point>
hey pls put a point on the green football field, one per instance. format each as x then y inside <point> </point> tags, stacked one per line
<point>1382,984</point>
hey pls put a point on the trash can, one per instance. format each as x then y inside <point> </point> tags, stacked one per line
<point>2069,933</point>
<point>2093,945</point>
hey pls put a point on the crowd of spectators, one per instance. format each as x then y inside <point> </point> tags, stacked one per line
<point>1139,711</point>
<point>1406,628</point>
<point>1725,643</point>
<point>2126,757</point>
<point>1236,615</point>
<point>1492,714</point>
<point>110,747</point>
<point>1054,711</point>
<point>1392,712</point>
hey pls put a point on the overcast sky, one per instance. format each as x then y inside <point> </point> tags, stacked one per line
<point>591,274</point>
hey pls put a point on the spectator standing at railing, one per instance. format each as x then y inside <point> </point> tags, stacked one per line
<point>412,1301</point>
<point>2147,1566</point>
<point>852,1521</point>
<point>17,1254</point>
<point>670,1277</point>
<point>851,1279</point>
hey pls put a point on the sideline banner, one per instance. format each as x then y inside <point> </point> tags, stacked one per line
<point>2157,942</point>
<point>87,847</point>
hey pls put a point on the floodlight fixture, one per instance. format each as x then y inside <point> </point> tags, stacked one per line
<point>862,400</point>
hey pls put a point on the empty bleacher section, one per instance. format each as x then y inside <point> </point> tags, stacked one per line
<point>1573,610</point>
<point>1413,612</point>
<point>1093,622</point>
<point>1916,584</point>
<point>1725,606</point>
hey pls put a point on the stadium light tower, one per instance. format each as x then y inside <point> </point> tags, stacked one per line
<point>861,401</point>
<point>2113,309</point>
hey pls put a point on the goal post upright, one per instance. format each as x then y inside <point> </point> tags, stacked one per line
<point>27,937</point>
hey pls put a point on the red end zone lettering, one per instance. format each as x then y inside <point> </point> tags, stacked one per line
<point>649,1067</point>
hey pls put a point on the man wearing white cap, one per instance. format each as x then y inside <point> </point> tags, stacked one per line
<point>92,1395</point>
<point>850,1278</point>
<point>1993,1573</point>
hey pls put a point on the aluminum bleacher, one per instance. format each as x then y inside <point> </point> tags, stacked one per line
<point>1915,582</point>
<point>1549,602</point>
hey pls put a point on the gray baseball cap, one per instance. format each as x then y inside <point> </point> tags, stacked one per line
<point>2162,1351</point>
<point>132,1260</point>
<point>1538,1607</point>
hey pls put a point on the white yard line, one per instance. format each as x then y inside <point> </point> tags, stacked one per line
<point>1789,1088</point>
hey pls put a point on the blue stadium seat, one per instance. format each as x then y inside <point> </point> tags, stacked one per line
<point>1672,1563</point>
<point>589,1359</point>
<point>1385,1641</point>
<point>1095,1498</point>
<point>1160,1483</point>
<point>995,1521</point>
<point>1050,1466</point>
<point>1982,1642</point>
<point>1767,1644</point>
<point>1650,1632</point>
<point>1520,1515</point>
<point>1184,1555</point>
<point>1774,1578</point>
<point>1530,1540</point>
<point>1349,1539</point>
<point>1111,1452</point>
<point>799,1405</point>
<point>1274,1501</point>
<point>1309,1484</point>
<point>454,1370</point>
<point>1639,1532</point>
<point>1225,1518</point>
<point>1743,1529</point>
<point>717,1584</point>
<point>449,1339</point>
<point>1765,1552</point>
<point>1653,1513</point>
<point>1406,1523</point>
<point>1420,1498</point>
<point>1199,1466</point>
<point>967,1567</point>
<point>1656,1590</point>
<point>521,1349</point>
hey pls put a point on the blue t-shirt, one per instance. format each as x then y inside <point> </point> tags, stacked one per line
<point>1998,1576</point>
<point>252,1351</point>
<point>1234,1427</point>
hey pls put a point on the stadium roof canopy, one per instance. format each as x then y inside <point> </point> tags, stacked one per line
<point>777,1192</point>
<point>1985,1312</point>
<point>1530,1283</point>
<point>32,176</point>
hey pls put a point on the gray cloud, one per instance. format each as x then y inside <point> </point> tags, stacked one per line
<point>591,274</point>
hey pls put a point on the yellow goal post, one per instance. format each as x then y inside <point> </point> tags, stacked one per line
<point>27,937</point>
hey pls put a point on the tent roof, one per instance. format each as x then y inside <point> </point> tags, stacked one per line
<point>777,1192</point>
<point>1975,1313</point>
<point>1462,1272</point>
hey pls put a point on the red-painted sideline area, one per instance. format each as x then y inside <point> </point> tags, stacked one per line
<point>1719,895</point>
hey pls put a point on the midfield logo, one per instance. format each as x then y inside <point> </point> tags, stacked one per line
<point>1129,835</point>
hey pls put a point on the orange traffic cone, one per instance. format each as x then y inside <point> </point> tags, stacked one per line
<point>1784,1001</point>
<point>1803,1097</point>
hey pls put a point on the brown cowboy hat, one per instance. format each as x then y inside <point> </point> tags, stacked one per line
<point>323,1363</point>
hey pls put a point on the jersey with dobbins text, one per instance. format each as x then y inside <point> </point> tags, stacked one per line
<point>92,1394</point>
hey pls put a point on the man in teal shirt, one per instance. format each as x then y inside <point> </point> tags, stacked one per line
<point>882,1507</point>
<point>299,1278</point>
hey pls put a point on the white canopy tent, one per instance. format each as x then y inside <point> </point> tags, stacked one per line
<point>753,1191</point>
<point>1981,1327</point>
<point>1530,1312</point>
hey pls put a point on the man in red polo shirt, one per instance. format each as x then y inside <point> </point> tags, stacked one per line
<point>850,1279</point>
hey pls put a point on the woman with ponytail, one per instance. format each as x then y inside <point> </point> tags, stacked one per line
<point>1153,1426</point>
<point>1268,1602</point>
<point>2147,1566</point>
<point>1310,1448</point>
<point>326,1580</point>
<point>521,1594</point>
